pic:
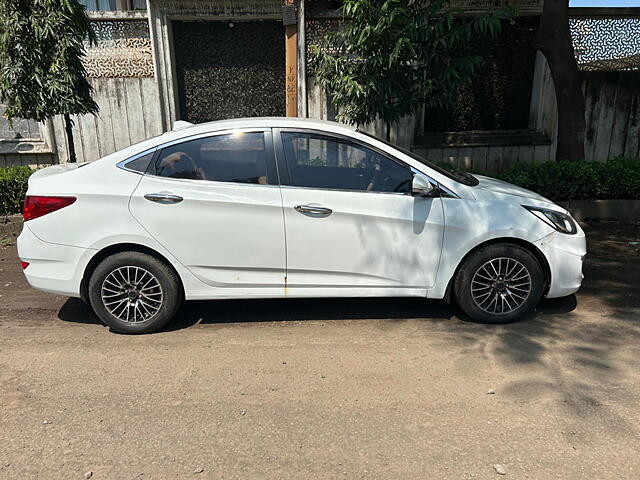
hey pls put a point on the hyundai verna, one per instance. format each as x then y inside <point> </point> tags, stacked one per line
<point>281,207</point>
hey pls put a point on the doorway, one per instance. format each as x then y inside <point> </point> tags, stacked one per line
<point>229,69</point>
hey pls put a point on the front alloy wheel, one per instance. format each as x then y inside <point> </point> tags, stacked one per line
<point>499,283</point>
<point>501,286</point>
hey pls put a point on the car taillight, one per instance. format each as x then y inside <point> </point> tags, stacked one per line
<point>24,264</point>
<point>36,206</point>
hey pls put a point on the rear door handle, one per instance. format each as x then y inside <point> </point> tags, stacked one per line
<point>163,198</point>
<point>310,209</point>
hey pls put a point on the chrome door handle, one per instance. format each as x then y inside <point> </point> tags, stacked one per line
<point>163,198</point>
<point>313,210</point>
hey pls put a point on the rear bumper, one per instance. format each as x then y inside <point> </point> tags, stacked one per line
<point>565,255</point>
<point>52,268</point>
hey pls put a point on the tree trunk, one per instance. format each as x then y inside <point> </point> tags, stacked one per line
<point>554,41</point>
<point>68,124</point>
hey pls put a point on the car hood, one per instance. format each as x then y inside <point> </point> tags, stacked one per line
<point>498,186</point>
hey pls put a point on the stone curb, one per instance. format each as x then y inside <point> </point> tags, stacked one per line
<point>628,210</point>
<point>10,227</point>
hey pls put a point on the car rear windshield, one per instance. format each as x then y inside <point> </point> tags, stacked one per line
<point>460,177</point>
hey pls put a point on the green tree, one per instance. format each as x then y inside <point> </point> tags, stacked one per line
<point>393,56</point>
<point>41,70</point>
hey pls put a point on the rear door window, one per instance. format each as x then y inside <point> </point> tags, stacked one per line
<point>237,158</point>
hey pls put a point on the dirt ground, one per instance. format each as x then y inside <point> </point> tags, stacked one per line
<point>354,389</point>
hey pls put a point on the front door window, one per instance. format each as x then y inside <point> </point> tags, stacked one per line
<point>319,161</point>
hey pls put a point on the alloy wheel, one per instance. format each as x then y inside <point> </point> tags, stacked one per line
<point>501,286</point>
<point>131,294</point>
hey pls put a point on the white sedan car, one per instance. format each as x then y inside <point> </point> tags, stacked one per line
<point>282,207</point>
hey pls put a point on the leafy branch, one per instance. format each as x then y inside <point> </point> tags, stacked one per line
<point>42,43</point>
<point>393,56</point>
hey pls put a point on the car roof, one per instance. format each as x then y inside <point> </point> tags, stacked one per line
<point>183,129</point>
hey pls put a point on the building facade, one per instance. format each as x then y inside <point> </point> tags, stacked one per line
<point>158,61</point>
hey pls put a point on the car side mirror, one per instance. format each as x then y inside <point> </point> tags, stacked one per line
<point>421,186</point>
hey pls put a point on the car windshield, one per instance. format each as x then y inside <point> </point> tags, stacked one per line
<point>460,177</point>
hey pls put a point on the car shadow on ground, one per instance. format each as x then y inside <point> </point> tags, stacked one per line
<point>320,309</point>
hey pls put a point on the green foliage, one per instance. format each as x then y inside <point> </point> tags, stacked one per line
<point>41,49</point>
<point>392,56</point>
<point>618,178</point>
<point>13,187</point>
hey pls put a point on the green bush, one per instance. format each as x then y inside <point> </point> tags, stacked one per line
<point>618,178</point>
<point>13,186</point>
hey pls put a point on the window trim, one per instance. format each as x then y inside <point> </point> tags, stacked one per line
<point>123,163</point>
<point>283,168</point>
<point>272,171</point>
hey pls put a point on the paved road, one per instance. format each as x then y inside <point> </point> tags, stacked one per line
<point>354,389</point>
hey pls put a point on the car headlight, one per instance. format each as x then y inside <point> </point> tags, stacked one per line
<point>558,220</point>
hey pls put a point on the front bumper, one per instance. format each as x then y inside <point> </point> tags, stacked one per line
<point>565,255</point>
<point>52,268</point>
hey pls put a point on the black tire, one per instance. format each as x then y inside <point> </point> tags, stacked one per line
<point>480,306</point>
<point>153,311</point>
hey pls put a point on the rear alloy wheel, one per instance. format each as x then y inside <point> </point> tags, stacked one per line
<point>499,283</point>
<point>134,293</point>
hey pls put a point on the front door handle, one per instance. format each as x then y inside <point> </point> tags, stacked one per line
<point>310,209</point>
<point>163,198</point>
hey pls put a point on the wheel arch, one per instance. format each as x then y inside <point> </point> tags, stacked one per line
<point>117,248</point>
<point>535,251</point>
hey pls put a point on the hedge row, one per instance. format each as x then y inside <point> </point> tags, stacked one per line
<point>13,186</point>
<point>618,178</point>
<point>615,179</point>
